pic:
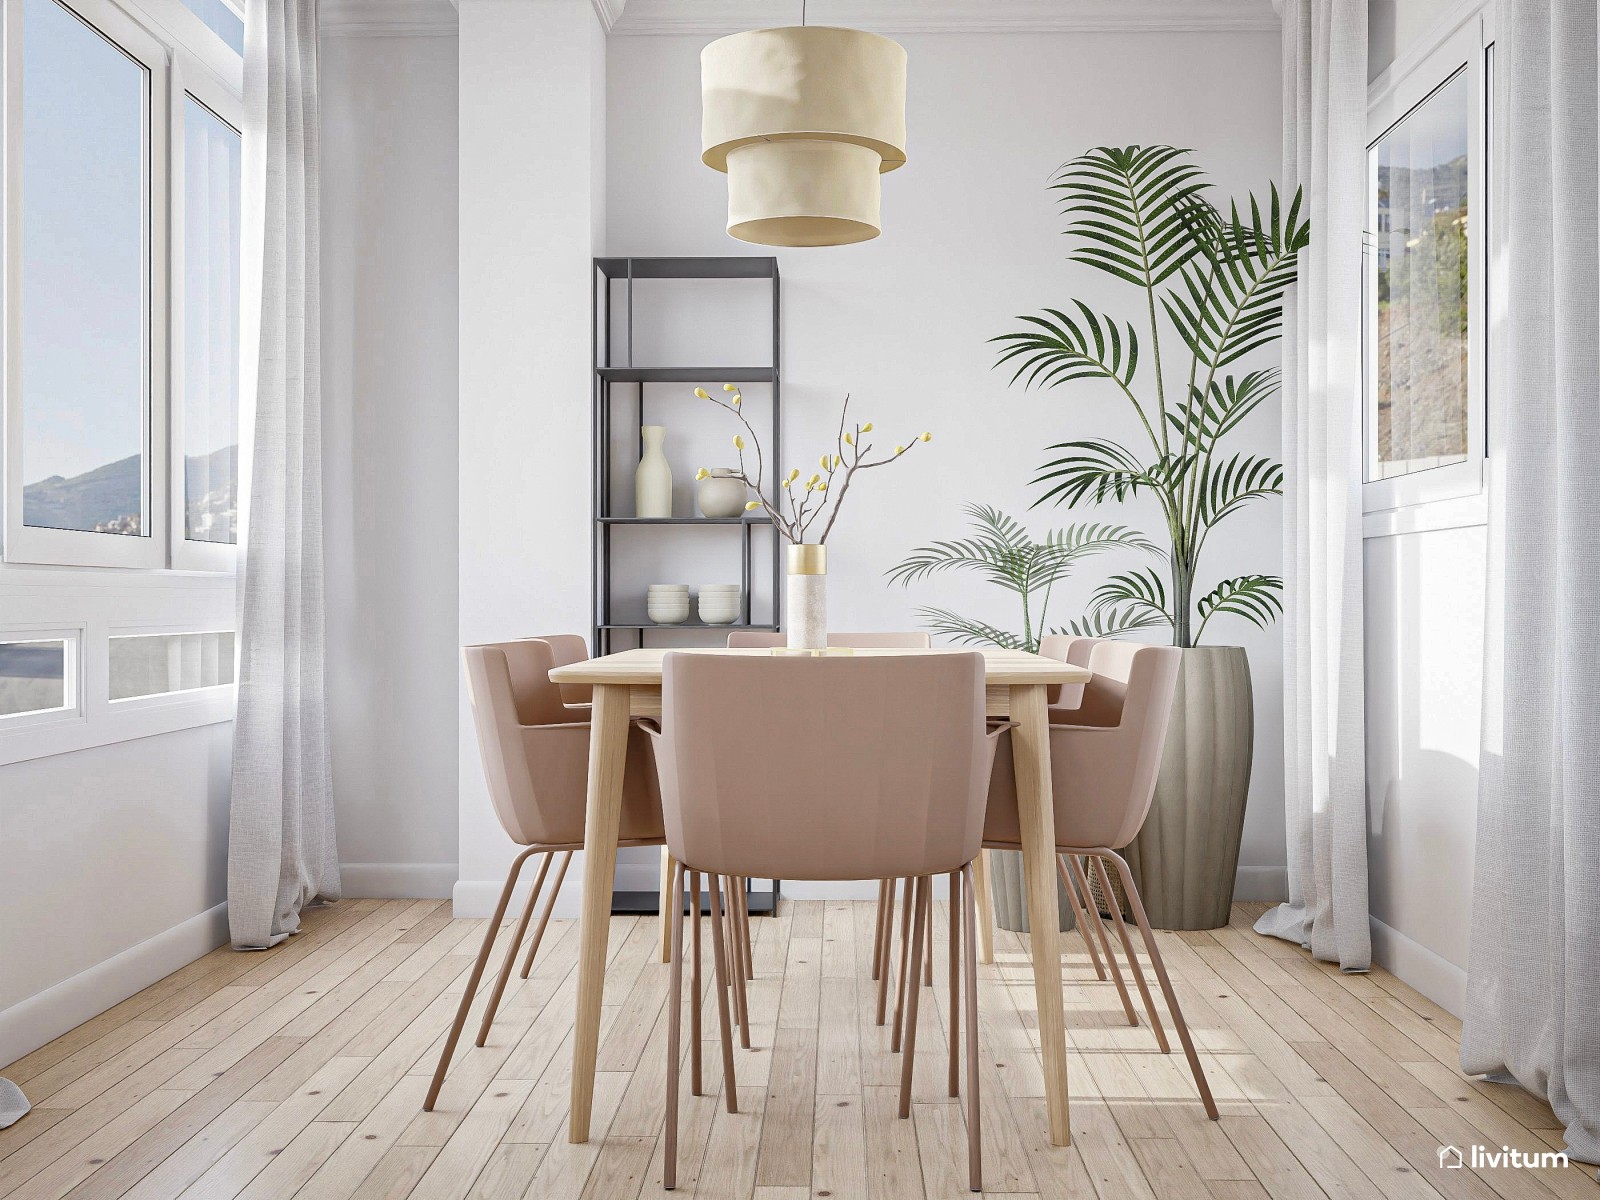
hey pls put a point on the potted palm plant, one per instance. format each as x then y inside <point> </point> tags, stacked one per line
<point>1211,281</point>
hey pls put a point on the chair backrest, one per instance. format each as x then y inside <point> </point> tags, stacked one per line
<point>764,639</point>
<point>566,649</point>
<point>535,750</point>
<point>824,768</point>
<point>1067,648</point>
<point>1131,693</point>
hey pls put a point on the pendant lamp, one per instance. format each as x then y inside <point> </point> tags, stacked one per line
<point>803,120</point>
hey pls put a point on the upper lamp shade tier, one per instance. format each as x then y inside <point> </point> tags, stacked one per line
<point>803,120</point>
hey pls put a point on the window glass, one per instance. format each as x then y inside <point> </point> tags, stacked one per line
<point>151,664</point>
<point>211,237</point>
<point>221,20</point>
<point>85,118</point>
<point>1420,332</point>
<point>33,676</point>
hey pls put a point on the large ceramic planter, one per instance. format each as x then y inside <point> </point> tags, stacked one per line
<point>1186,856</point>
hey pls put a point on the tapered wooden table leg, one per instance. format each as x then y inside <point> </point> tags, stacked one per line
<point>608,752</point>
<point>985,899</point>
<point>668,865</point>
<point>1030,744</point>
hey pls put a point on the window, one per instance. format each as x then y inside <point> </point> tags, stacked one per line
<point>1425,261</point>
<point>119,400</point>
<point>123,333</point>
<point>36,676</point>
<point>155,664</point>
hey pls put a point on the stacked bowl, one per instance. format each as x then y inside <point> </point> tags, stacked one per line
<point>668,603</point>
<point>719,603</point>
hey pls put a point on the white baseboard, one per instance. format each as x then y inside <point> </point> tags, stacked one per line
<point>1269,884</point>
<point>29,1024</point>
<point>1439,979</point>
<point>398,881</point>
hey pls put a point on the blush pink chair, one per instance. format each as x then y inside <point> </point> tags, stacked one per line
<point>1103,768</point>
<point>535,754</point>
<point>879,769</point>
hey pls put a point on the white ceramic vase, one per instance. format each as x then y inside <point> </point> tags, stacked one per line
<point>721,494</point>
<point>652,480</point>
<point>806,611</point>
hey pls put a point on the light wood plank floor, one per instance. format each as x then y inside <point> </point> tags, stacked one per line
<point>300,1073</point>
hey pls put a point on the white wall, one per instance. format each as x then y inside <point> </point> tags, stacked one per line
<point>971,238</point>
<point>112,875</point>
<point>532,171</point>
<point>389,403</point>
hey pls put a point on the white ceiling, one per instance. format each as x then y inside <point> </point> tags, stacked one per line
<point>712,17</point>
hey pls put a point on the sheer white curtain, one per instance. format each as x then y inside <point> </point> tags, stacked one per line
<point>281,848</point>
<point>1533,973</point>
<point>1324,152</point>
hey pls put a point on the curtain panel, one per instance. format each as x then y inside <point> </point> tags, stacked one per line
<point>282,853</point>
<point>1324,152</point>
<point>1533,970</point>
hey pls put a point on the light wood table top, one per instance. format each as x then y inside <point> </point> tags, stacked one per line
<point>642,668</point>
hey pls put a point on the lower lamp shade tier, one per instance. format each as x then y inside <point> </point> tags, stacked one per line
<point>803,193</point>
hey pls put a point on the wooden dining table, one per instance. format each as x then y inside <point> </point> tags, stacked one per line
<point>1017,686</point>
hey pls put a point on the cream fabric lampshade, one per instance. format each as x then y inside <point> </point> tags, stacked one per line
<point>803,120</point>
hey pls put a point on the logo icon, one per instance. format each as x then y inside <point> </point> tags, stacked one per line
<point>1450,1157</point>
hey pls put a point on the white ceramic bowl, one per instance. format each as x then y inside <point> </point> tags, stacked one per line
<point>714,611</point>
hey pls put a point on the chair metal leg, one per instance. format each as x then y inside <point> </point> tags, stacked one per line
<point>886,948</point>
<point>744,928</point>
<point>1135,903</point>
<point>955,983</point>
<point>472,980</point>
<point>697,988</point>
<point>719,943</point>
<point>1133,958</point>
<point>974,1115</point>
<point>1080,918</point>
<point>919,940</point>
<point>674,1027</point>
<point>905,966</point>
<point>544,917</point>
<point>1076,868</point>
<point>504,974</point>
<point>877,936</point>
<point>741,1007</point>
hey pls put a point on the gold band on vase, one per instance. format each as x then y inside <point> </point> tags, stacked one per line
<point>808,558</point>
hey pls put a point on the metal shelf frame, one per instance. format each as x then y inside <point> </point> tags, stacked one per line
<point>614,368</point>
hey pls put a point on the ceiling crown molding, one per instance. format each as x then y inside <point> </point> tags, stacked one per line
<point>387,18</point>
<point>609,12</point>
<point>713,18</point>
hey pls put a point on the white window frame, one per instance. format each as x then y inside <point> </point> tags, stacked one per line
<point>176,696</point>
<point>1452,494</point>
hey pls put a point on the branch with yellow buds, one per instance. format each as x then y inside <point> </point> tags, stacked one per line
<point>850,454</point>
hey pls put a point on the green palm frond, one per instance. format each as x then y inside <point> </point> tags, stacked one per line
<point>969,632</point>
<point>1141,591</point>
<point>1001,550</point>
<point>1110,621</point>
<point>1256,598</point>
<point>1229,299</point>
<point>1093,469</point>
<point>1059,349</point>
<point>1130,210</point>
<point>1209,418</point>
<point>1225,487</point>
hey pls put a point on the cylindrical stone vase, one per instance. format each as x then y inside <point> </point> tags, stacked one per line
<point>806,611</point>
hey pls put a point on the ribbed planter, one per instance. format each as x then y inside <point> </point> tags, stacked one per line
<point>1186,856</point>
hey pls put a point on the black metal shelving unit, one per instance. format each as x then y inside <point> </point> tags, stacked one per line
<point>618,380</point>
